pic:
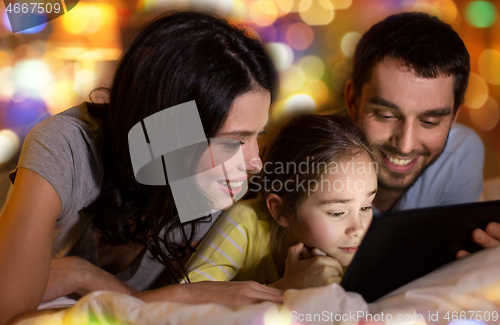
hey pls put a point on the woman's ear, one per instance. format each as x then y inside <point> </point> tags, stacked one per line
<point>275,206</point>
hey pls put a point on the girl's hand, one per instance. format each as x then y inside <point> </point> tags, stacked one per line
<point>75,274</point>
<point>315,271</point>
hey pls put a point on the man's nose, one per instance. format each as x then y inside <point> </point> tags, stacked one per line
<point>404,137</point>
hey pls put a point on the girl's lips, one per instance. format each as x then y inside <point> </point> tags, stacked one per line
<point>349,250</point>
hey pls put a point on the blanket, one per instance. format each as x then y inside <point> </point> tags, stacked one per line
<point>467,289</point>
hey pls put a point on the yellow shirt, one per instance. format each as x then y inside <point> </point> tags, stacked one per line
<point>236,248</point>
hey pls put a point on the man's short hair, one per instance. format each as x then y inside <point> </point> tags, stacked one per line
<point>424,43</point>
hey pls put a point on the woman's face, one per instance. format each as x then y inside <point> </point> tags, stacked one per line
<point>223,169</point>
<point>335,217</point>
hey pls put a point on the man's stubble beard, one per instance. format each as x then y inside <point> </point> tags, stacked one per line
<point>393,188</point>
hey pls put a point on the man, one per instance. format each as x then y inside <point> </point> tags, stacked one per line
<point>409,80</point>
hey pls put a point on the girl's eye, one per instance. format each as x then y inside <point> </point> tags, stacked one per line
<point>336,214</point>
<point>366,208</point>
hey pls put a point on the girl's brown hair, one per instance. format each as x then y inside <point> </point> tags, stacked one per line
<point>311,143</point>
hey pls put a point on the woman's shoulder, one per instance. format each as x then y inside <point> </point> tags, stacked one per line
<point>65,123</point>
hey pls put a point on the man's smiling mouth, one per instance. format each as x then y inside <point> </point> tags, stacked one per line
<point>396,161</point>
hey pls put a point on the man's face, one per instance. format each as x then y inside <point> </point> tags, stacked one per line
<point>406,119</point>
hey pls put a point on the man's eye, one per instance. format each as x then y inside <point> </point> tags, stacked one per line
<point>384,116</point>
<point>429,124</point>
<point>336,214</point>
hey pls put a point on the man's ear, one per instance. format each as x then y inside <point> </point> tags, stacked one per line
<point>350,99</point>
<point>275,206</point>
<point>456,115</point>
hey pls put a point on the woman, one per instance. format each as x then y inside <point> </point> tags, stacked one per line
<point>75,193</point>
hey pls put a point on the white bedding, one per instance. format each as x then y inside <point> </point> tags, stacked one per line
<point>464,288</point>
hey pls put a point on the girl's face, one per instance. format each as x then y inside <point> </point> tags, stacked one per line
<point>335,217</point>
<point>222,170</point>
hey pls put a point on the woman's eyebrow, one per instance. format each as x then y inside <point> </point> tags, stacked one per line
<point>242,133</point>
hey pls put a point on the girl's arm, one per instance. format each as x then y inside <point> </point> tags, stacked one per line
<point>26,236</point>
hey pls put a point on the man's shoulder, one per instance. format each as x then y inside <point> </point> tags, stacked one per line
<point>462,138</point>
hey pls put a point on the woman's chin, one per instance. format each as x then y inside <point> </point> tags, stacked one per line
<point>223,204</point>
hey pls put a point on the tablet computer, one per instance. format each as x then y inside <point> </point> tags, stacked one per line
<point>402,246</point>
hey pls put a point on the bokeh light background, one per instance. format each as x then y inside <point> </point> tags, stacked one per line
<point>52,67</point>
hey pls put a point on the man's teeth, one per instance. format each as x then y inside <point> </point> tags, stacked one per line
<point>231,184</point>
<point>399,162</point>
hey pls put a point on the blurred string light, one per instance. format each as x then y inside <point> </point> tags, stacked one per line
<point>30,77</point>
<point>477,92</point>
<point>341,4</point>
<point>427,8</point>
<point>466,322</point>
<point>492,292</point>
<point>349,42</point>
<point>299,104</point>
<point>481,14</point>
<point>341,72</point>
<point>8,87</point>
<point>487,116</point>
<point>282,55</point>
<point>59,96</point>
<point>312,66</point>
<point>316,12</point>
<point>9,145</point>
<point>489,66</point>
<point>277,315</point>
<point>263,12</point>
<point>286,6</point>
<point>318,90</point>
<point>223,7</point>
<point>448,10</point>
<point>239,11</point>
<point>299,36</point>
<point>292,79</point>
<point>89,26</point>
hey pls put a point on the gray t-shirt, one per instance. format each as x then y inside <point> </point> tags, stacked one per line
<point>64,150</point>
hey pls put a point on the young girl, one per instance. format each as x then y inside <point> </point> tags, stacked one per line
<point>317,186</point>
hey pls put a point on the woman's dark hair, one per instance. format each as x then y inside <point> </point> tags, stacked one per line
<point>424,43</point>
<point>176,58</point>
<point>310,143</point>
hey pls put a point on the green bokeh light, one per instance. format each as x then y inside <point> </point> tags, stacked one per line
<point>481,14</point>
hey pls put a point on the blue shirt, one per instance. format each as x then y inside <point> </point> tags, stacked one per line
<point>455,177</point>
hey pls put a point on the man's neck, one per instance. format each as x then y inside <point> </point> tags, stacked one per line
<point>386,199</point>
